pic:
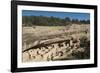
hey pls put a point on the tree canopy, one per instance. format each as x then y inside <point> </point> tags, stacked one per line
<point>50,21</point>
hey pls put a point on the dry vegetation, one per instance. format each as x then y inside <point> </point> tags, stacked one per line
<point>52,43</point>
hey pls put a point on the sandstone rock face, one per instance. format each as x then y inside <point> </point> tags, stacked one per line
<point>49,44</point>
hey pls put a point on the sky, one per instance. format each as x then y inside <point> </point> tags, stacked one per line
<point>71,15</point>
